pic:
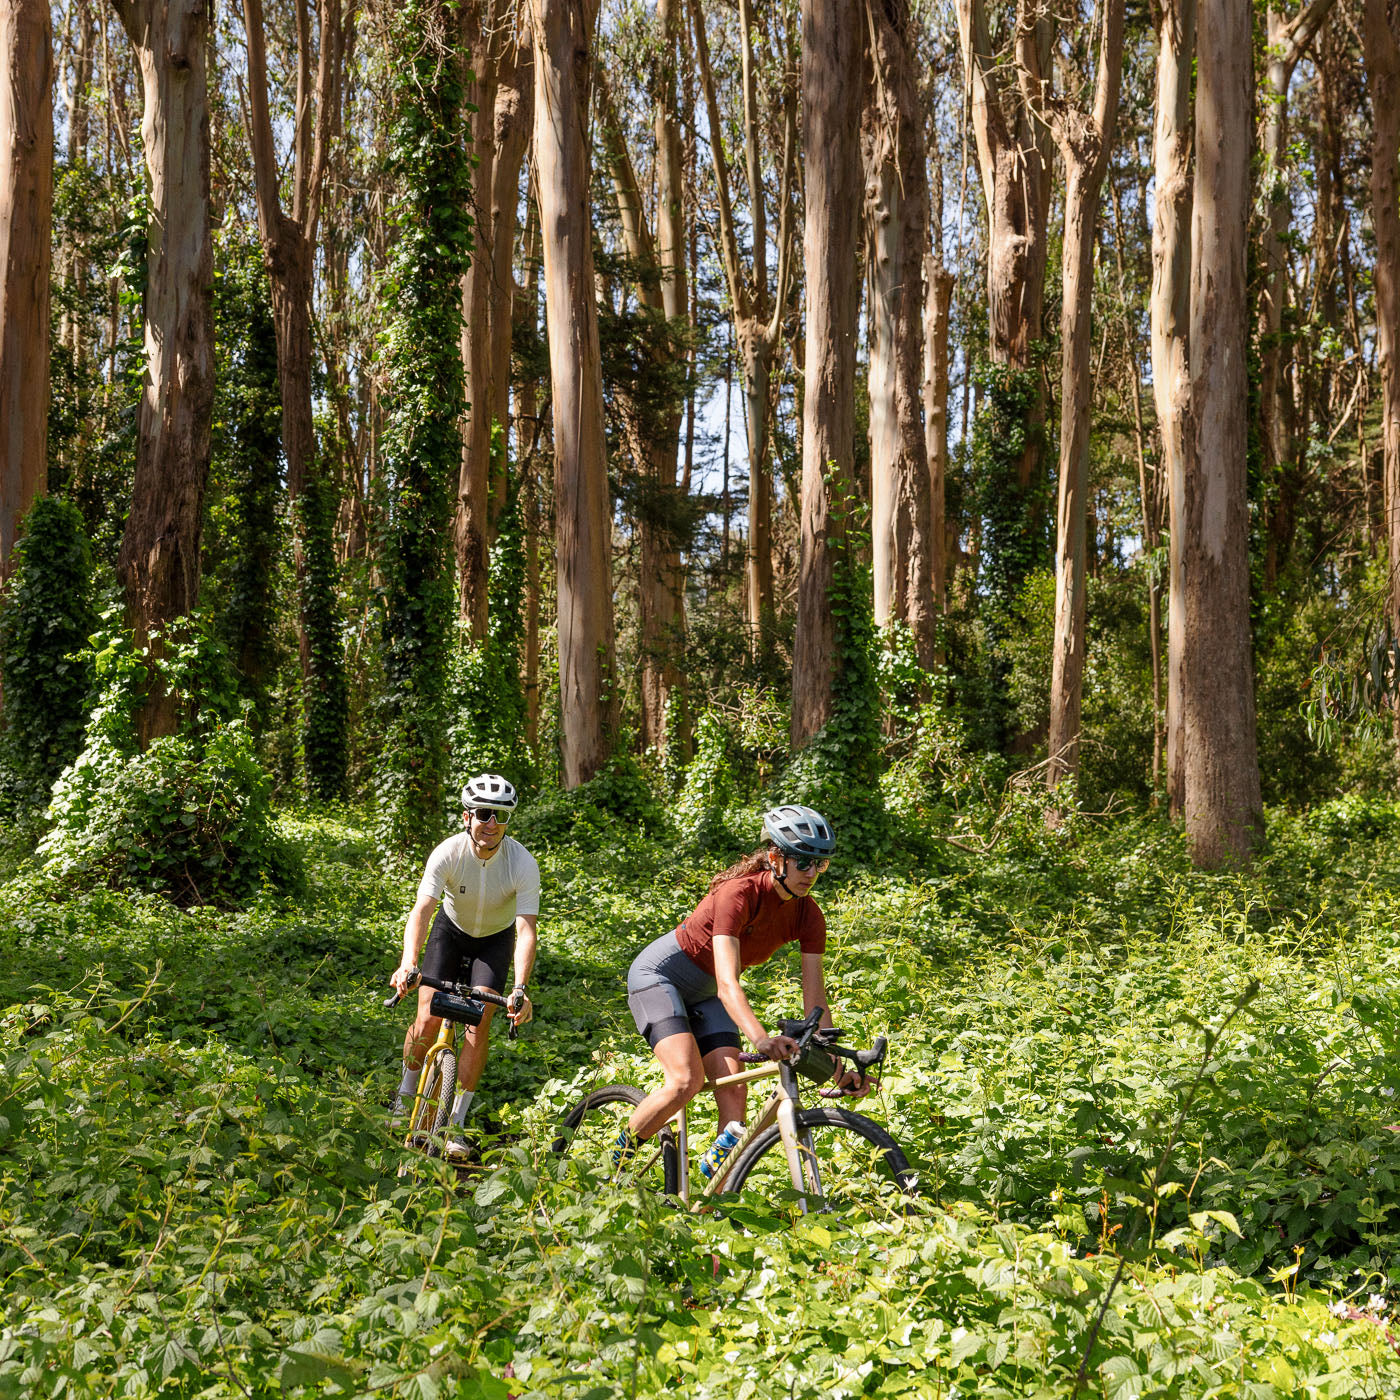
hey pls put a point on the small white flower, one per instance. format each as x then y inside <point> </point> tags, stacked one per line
<point>1327,1339</point>
<point>1387,1092</point>
<point>1376,1303</point>
<point>1337,1309</point>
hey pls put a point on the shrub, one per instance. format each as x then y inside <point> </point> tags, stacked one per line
<point>46,616</point>
<point>191,816</point>
<point>708,792</point>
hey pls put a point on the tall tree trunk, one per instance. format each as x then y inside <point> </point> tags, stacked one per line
<point>1381,34</point>
<point>1285,42</point>
<point>289,246</point>
<point>661,288</point>
<point>583,516</point>
<point>1013,156</point>
<point>26,217</point>
<point>905,548</point>
<point>1085,140</point>
<point>528,433</point>
<point>481,53</point>
<point>1224,810</point>
<point>159,559</point>
<point>939,281</point>
<point>1171,325</point>
<point>757,309</point>
<point>832,81</point>
<point>515,119</point>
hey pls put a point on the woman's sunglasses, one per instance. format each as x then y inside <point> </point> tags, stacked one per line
<point>807,863</point>
<point>488,814</point>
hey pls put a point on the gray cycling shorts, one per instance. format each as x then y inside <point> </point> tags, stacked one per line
<point>669,994</point>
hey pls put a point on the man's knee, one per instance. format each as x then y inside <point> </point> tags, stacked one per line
<point>686,1079</point>
<point>425,1029</point>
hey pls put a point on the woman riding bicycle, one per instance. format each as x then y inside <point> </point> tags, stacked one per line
<point>683,989</point>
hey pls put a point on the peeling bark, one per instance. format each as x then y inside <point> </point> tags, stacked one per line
<point>26,215</point>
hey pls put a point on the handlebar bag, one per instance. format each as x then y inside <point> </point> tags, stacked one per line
<point>467,1012</point>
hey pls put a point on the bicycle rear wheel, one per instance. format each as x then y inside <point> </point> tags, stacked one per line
<point>434,1106</point>
<point>851,1165</point>
<point>588,1136</point>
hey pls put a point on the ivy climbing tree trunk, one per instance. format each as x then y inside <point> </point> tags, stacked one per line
<point>422,446</point>
<point>26,216</point>
<point>896,232</point>
<point>1171,335</point>
<point>1224,811</point>
<point>159,559</point>
<point>939,281</point>
<point>289,245</point>
<point>583,517</point>
<point>1381,34</point>
<point>832,86</point>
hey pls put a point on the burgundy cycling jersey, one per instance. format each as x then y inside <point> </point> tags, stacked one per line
<point>751,910</point>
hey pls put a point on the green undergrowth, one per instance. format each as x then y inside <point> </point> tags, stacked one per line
<point>1150,1110</point>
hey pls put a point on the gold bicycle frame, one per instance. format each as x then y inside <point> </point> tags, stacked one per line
<point>781,1106</point>
<point>446,1039</point>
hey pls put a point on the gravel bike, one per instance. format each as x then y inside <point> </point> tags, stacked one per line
<point>823,1157</point>
<point>437,1080</point>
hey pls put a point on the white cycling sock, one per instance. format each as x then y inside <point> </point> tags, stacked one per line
<point>461,1104</point>
<point>409,1083</point>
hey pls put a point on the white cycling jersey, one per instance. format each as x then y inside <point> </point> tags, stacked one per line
<point>482,896</point>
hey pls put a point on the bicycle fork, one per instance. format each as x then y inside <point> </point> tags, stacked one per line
<point>798,1146</point>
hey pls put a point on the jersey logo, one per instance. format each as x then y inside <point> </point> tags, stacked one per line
<point>461,889</point>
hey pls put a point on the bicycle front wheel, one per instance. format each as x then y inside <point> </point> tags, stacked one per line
<point>434,1105</point>
<point>589,1134</point>
<point>850,1165</point>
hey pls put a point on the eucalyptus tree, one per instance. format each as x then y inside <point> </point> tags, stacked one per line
<point>500,90</point>
<point>422,443</point>
<point>1381,38</point>
<point>1085,138</point>
<point>26,212</point>
<point>1223,807</point>
<point>1286,40</point>
<point>758,309</point>
<point>563,44</point>
<point>907,552</point>
<point>1014,161</point>
<point>289,242</point>
<point>833,55</point>
<point>159,559</point>
<point>1173,147</point>
<point>652,418</point>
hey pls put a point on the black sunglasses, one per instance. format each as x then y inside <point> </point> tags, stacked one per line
<point>806,863</point>
<point>488,814</point>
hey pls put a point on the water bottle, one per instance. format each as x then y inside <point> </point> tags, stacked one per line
<point>722,1146</point>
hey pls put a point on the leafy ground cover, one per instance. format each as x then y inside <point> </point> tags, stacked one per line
<point>1149,1108</point>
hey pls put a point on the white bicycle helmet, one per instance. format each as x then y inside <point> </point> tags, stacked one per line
<point>489,790</point>
<point>799,831</point>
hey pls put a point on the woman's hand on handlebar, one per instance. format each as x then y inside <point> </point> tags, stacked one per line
<point>776,1047</point>
<point>853,1083</point>
<point>403,978</point>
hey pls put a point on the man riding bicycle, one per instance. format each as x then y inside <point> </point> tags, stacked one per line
<point>489,887</point>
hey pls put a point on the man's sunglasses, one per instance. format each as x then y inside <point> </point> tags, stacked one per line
<point>806,863</point>
<point>488,814</point>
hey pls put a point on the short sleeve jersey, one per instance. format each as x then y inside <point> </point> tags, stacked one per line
<point>482,896</point>
<point>751,910</point>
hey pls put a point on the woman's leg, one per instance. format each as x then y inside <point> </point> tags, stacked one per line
<point>731,1100</point>
<point>685,1076</point>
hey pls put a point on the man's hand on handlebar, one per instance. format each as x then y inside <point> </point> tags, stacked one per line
<point>403,978</point>
<point>777,1047</point>
<point>519,1008</point>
